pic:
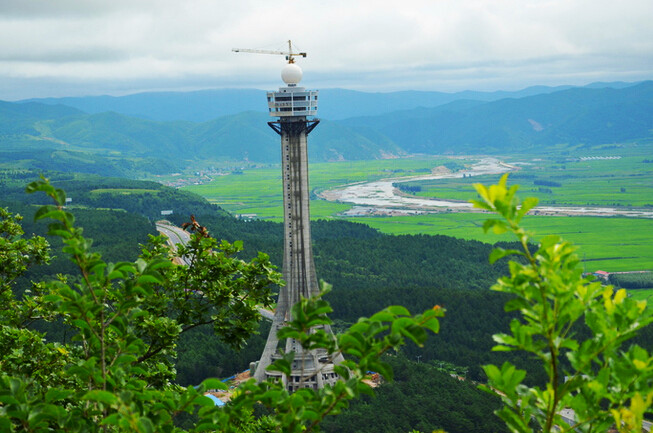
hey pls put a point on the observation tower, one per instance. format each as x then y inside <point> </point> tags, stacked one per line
<point>292,105</point>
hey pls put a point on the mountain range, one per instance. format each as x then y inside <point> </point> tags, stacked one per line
<point>112,136</point>
<point>335,104</point>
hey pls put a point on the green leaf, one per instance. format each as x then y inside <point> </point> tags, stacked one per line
<point>101,396</point>
<point>206,426</point>
<point>204,401</point>
<point>382,316</point>
<point>148,279</point>
<point>481,205</point>
<point>517,304</point>
<point>497,226</point>
<point>280,365</point>
<point>49,211</point>
<point>401,323</point>
<point>112,419</point>
<point>115,275</point>
<point>40,185</point>
<point>213,383</point>
<point>482,192</point>
<point>398,310</point>
<point>415,333</point>
<point>56,394</point>
<point>432,324</point>
<point>499,253</point>
<point>528,204</point>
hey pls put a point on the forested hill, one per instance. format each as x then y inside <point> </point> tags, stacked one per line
<point>368,270</point>
<point>578,116</point>
<point>335,104</point>
<point>48,137</point>
<point>420,398</point>
<point>85,191</point>
<point>117,214</point>
<point>112,144</point>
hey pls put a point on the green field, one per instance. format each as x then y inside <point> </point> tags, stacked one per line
<point>254,191</point>
<point>611,244</point>
<point>643,294</point>
<point>567,180</point>
<point>259,190</point>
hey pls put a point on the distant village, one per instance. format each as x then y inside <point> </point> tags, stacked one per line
<point>201,176</point>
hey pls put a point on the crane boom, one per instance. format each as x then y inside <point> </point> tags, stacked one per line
<point>290,56</point>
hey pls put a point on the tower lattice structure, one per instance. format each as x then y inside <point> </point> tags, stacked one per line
<point>293,105</point>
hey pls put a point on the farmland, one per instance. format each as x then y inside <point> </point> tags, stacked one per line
<point>259,190</point>
<point>626,181</point>
<point>617,176</point>
<point>612,244</point>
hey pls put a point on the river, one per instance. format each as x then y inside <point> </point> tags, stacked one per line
<point>382,198</point>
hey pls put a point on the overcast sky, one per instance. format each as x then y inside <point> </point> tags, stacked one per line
<point>92,47</point>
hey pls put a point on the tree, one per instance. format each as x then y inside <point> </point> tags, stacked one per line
<point>16,255</point>
<point>601,379</point>
<point>115,374</point>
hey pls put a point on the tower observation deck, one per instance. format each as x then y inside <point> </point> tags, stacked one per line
<point>291,105</point>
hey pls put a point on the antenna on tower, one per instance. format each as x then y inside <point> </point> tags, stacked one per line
<point>290,56</point>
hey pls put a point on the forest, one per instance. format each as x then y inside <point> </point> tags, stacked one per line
<point>139,197</point>
<point>632,280</point>
<point>423,399</point>
<point>368,271</point>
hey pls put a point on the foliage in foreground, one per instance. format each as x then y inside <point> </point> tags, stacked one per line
<point>116,373</point>
<point>605,383</point>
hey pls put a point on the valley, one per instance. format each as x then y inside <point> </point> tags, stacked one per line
<point>384,198</point>
<point>392,224</point>
<point>603,205</point>
<point>338,217</point>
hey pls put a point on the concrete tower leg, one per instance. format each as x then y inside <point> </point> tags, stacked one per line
<point>312,369</point>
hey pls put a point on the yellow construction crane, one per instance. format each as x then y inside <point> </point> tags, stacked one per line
<point>290,56</point>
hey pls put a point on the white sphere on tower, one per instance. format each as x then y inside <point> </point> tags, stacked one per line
<point>291,74</point>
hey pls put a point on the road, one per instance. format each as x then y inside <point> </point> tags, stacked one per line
<point>177,235</point>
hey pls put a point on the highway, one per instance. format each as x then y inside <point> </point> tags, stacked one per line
<point>177,235</point>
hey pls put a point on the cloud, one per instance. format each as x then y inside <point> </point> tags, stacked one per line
<point>376,45</point>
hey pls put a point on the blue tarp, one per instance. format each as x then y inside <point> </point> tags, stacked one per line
<point>215,399</point>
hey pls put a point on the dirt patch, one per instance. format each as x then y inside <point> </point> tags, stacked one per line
<point>440,170</point>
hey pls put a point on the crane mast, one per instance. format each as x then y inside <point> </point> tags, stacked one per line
<point>290,56</point>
